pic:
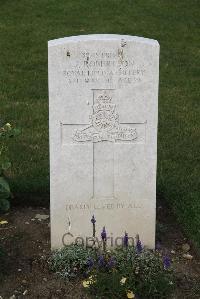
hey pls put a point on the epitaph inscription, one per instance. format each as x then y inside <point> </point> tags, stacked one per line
<point>102,206</point>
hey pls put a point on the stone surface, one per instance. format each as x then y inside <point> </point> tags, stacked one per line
<point>188,256</point>
<point>41,216</point>
<point>103,106</point>
<point>186,247</point>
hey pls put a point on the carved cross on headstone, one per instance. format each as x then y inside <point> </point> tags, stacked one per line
<point>104,130</point>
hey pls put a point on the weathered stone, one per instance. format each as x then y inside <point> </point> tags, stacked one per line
<point>186,247</point>
<point>188,256</point>
<point>41,216</point>
<point>103,94</point>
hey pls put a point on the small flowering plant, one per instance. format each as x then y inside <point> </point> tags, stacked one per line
<point>127,272</point>
<point>6,132</point>
<point>131,271</point>
<point>104,238</point>
<point>72,261</point>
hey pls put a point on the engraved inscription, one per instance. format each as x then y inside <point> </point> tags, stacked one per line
<point>102,206</point>
<point>102,67</point>
<point>104,123</point>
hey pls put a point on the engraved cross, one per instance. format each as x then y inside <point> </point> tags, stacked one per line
<point>104,131</point>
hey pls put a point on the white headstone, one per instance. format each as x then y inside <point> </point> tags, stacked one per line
<point>103,109</point>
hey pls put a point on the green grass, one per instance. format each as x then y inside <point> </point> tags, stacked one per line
<point>25,28</point>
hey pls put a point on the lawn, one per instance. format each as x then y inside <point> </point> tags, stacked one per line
<point>25,28</point>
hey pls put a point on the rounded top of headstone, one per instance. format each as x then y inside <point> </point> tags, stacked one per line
<point>100,37</point>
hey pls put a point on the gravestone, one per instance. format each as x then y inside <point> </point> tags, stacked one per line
<point>103,109</point>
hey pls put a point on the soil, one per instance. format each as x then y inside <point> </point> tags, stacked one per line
<point>25,273</point>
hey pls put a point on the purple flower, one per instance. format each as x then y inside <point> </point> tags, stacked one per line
<point>101,261</point>
<point>103,234</point>
<point>138,246</point>
<point>166,262</point>
<point>111,262</point>
<point>125,240</point>
<point>93,220</point>
<point>90,262</point>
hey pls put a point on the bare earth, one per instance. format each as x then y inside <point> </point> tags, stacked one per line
<point>27,242</point>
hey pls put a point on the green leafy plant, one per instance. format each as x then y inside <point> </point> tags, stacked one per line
<point>123,272</point>
<point>127,272</point>
<point>71,260</point>
<point>120,273</point>
<point>6,132</point>
<point>106,285</point>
